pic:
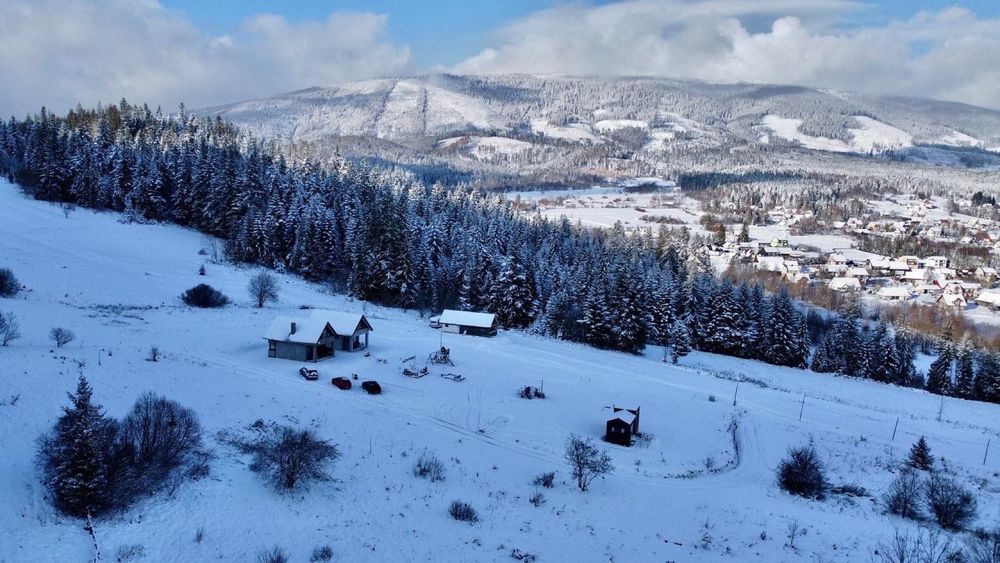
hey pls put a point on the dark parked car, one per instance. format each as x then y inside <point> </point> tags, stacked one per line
<point>341,383</point>
<point>372,387</point>
<point>310,374</point>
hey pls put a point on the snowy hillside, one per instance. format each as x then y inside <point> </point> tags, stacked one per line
<point>648,115</point>
<point>701,489</point>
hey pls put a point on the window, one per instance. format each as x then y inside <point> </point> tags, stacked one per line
<point>272,349</point>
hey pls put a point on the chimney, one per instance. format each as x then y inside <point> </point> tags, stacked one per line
<point>293,328</point>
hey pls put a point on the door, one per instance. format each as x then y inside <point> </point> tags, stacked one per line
<point>309,353</point>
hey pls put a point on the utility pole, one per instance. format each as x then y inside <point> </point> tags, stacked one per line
<point>802,407</point>
<point>987,450</point>
<point>736,393</point>
<point>894,429</point>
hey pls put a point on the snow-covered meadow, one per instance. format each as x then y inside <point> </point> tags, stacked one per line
<point>702,488</point>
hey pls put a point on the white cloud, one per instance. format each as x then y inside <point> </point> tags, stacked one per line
<point>949,54</point>
<point>60,52</point>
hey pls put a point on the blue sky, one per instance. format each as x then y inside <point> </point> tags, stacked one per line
<point>444,32</point>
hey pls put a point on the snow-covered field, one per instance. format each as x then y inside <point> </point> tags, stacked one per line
<point>869,135</point>
<point>116,286</point>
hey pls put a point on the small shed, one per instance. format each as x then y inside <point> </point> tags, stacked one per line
<point>318,336</point>
<point>622,426</point>
<point>469,322</point>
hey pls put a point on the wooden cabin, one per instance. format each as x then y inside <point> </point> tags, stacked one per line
<point>318,336</point>
<point>622,426</point>
<point>468,322</point>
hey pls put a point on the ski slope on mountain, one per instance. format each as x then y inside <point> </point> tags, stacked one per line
<point>701,489</point>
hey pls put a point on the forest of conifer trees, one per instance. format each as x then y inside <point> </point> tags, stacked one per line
<point>383,237</point>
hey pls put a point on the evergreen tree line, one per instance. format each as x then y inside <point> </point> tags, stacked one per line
<point>386,238</point>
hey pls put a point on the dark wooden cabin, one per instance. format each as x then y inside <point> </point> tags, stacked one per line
<point>622,426</point>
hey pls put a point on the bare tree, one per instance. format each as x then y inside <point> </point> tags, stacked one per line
<point>10,330</point>
<point>9,286</point>
<point>586,461</point>
<point>952,505</point>
<point>904,495</point>
<point>263,288</point>
<point>926,547</point>
<point>983,546</point>
<point>61,336</point>
<point>289,457</point>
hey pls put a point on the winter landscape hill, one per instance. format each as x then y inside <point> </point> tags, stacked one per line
<point>598,123</point>
<point>702,487</point>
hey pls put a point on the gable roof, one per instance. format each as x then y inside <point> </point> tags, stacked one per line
<point>467,318</point>
<point>624,416</point>
<point>308,330</point>
<point>344,324</point>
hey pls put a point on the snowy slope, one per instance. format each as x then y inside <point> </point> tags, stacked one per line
<point>870,135</point>
<point>116,285</point>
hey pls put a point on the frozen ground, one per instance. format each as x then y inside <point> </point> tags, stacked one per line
<point>116,286</point>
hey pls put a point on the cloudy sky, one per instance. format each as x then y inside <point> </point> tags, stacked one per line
<point>204,52</point>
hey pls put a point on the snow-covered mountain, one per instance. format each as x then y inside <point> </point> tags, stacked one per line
<point>470,116</point>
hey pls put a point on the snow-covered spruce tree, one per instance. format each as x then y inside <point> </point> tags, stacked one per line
<point>907,374</point>
<point>782,333</point>
<point>920,456</point>
<point>939,380</point>
<point>987,387</point>
<point>964,370</point>
<point>680,340</point>
<point>73,456</point>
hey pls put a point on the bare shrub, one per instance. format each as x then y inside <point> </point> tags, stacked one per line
<point>983,546</point>
<point>129,552</point>
<point>204,296</point>
<point>154,354</point>
<point>463,512</point>
<point>61,336</point>
<point>263,288</point>
<point>429,467</point>
<point>9,286</point>
<point>322,553</point>
<point>802,473</point>
<point>586,461</point>
<point>288,457</point>
<point>927,546</point>
<point>904,496</point>
<point>273,555</point>
<point>545,479</point>
<point>537,499</point>
<point>952,505</point>
<point>199,534</point>
<point>10,329</point>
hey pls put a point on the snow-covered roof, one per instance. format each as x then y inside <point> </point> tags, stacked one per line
<point>990,297</point>
<point>624,416</point>
<point>307,330</point>
<point>857,272</point>
<point>310,329</point>
<point>467,318</point>
<point>343,323</point>
<point>841,284</point>
<point>894,291</point>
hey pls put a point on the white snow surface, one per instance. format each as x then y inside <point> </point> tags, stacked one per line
<point>576,132</point>
<point>870,135</point>
<point>117,286</point>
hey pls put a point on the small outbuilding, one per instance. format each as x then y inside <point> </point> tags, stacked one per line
<point>622,426</point>
<point>468,322</point>
<point>318,336</point>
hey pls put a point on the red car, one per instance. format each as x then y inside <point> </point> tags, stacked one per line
<point>341,383</point>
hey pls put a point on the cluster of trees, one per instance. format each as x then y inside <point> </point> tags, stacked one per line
<point>378,234</point>
<point>962,370</point>
<point>93,464</point>
<point>882,353</point>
